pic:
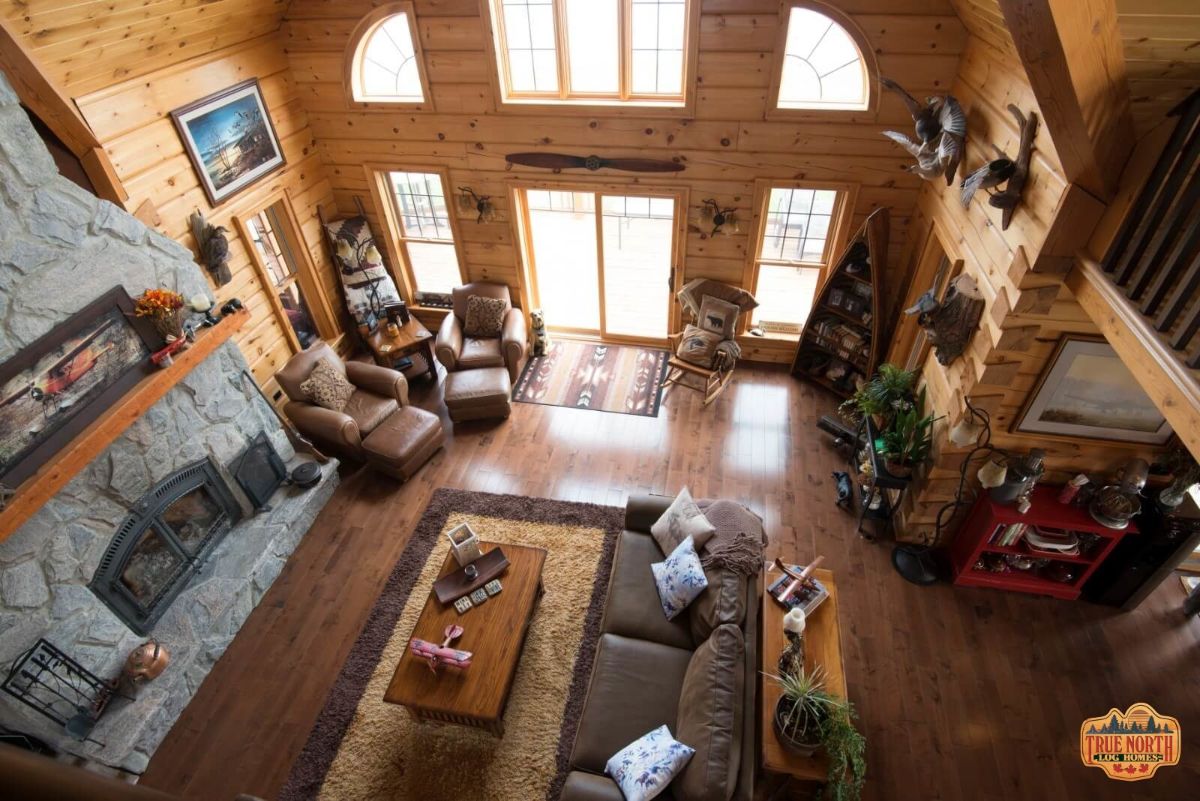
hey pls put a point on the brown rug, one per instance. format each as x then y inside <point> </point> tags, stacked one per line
<point>605,378</point>
<point>364,748</point>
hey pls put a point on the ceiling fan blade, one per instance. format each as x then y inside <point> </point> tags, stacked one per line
<point>548,161</point>
<point>643,165</point>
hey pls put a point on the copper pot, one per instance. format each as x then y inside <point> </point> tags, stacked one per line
<point>147,661</point>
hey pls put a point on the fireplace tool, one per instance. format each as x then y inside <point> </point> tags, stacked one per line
<point>298,440</point>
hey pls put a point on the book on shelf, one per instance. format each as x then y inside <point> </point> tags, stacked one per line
<point>807,596</point>
<point>1006,536</point>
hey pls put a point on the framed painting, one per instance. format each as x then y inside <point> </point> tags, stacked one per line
<point>56,386</point>
<point>1087,391</point>
<point>230,139</point>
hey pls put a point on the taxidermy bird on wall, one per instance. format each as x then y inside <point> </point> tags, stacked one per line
<point>949,323</point>
<point>1002,170</point>
<point>941,128</point>
<point>987,177</point>
<point>213,246</point>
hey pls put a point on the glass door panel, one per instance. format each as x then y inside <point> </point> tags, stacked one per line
<point>562,233</point>
<point>638,236</point>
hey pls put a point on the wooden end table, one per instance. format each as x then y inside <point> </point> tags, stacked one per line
<point>493,632</point>
<point>413,337</point>
<point>822,648</point>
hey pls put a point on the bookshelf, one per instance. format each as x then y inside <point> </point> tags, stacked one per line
<point>989,542</point>
<point>839,345</point>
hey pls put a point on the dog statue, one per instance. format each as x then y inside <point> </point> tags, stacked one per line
<point>844,492</point>
<point>541,342</point>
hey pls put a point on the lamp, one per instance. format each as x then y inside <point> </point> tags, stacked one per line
<point>718,220</point>
<point>480,204</point>
<point>966,432</point>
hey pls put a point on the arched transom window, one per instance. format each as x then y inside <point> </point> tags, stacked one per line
<point>386,64</point>
<point>822,66</point>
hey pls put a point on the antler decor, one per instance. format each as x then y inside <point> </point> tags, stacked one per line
<point>1003,169</point>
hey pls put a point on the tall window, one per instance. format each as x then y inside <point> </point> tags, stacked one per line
<point>386,64</point>
<point>797,225</point>
<point>425,237</point>
<point>593,50</point>
<point>822,66</point>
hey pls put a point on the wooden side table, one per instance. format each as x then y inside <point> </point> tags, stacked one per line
<point>414,337</point>
<point>822,648</point>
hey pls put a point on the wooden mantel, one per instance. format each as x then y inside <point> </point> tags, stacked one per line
<point>91,442</point>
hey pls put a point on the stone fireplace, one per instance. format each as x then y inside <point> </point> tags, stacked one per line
<point>153,538</point>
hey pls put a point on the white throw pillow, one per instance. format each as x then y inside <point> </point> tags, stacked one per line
<point>682,519</point>
<point>679,579</point>
<point>645,767</point>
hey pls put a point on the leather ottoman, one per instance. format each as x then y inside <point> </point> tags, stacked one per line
<point>404,441</point>
<point>478,394</point>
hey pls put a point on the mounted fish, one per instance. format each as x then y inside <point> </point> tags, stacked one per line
<point>213,247</point>
<point>941,128</point>
<point>949,323</point>
<point>1003,170</point>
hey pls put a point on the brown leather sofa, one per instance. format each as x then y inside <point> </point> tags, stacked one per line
<point>377,425</point>
<point>456,351</point>
<point>649,671</point>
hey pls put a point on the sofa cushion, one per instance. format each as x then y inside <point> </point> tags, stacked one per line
<point>479,353</point>
<point>723,601</point>
<point>645,767</point>
<point>682,519</point>
<point>679,579</point>
<point>327,386</point>
<point>582,786</point>
<point>632,608</point>
<point>485,316</point>
<point>369,410</point>
<point>634,688</point>
<point>710,717</point>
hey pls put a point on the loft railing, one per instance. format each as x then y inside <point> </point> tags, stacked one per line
<point>1155,258</point>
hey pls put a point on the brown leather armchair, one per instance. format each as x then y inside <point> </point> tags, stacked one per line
<point>377,424</point>
<point>457,351</point>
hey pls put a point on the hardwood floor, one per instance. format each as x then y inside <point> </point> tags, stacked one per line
<point>963,694</point>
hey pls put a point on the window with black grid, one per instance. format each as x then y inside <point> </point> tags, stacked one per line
<point>797,224</point>
<point>425,235</point>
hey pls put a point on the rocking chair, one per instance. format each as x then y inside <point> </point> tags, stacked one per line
<point>703,356</point>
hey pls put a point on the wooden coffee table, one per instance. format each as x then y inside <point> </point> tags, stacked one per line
<point>494,633</point>
<point>388,350</point>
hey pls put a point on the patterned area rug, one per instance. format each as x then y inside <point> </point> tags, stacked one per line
<point>364,748</point>
<point>605,378</point>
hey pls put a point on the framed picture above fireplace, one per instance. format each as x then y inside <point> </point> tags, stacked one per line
<point>55,387</point>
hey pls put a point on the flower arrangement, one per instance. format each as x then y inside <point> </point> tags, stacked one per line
<point>165,310</point>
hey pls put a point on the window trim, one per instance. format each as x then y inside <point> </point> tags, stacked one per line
<point>385,205</point>
<point>522,102</point>
<point>306,274</point>
<point>835,242</point>
<point>865,51</point>
<point>356,48</point>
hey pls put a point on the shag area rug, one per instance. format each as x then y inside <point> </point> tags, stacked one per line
<point>363,748</point>
<point>605,378</point>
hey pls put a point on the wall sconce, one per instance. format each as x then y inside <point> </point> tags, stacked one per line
<point>480,204</point>
<point>717,219</point>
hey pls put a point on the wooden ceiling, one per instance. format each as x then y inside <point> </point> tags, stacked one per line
<point>90,44</point>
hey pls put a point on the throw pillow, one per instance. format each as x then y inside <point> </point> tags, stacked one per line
<point>711,709</point>
<point>485,316</point>
<point>327,386</point>
<point>697,346</point>
<point>682,519</point>
<point>645,767</point>
<point>718,316</point>
<point>693,293</point>
<point>679,579</point>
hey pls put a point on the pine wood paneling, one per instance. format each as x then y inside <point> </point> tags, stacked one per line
<point>1161,40</point>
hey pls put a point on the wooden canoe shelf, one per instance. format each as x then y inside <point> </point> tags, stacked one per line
<point>39,488</point>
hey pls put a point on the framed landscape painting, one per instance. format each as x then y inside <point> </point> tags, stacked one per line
<point>54,387</point>
<point>1087,391</point>
<point>230,139</point>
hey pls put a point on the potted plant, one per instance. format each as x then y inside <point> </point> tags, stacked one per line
<point>165,310</point>
<point>808,718</point>
<point>881,397</point>
<point>907,442</point>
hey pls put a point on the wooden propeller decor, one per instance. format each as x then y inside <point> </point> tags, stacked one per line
<point>563,161</point>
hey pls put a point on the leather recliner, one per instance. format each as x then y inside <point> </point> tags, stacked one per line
<point>456,351</point>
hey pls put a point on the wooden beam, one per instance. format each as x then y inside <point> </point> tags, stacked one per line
<point>60,115</point>
<point>1167,381</point>
<point>1072,54</point>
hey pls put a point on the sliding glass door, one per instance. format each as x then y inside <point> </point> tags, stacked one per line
<point>602,264</point>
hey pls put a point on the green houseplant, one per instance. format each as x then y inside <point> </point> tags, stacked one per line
<point>880,398</point>
<point>906,443</point>
<point>808,718</point>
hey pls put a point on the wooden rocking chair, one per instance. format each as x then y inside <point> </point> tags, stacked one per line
<point>709,381</point>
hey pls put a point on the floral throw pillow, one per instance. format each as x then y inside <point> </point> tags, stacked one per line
<point>485,316</point>
<point>682,519</point>
<point>327,386</point>
<point>679,579</point>
<point>645,767</point>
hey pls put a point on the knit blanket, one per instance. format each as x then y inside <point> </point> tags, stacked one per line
<point>739,542</point>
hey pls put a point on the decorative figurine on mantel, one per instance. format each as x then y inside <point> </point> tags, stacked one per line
<point>950,323</point>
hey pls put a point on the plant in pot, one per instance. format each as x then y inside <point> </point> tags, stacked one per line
<point>905,445</point>
<point>808,718</point>
<point>881,397</point>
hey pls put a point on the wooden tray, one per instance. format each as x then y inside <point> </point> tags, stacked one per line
<point>449,589</point>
